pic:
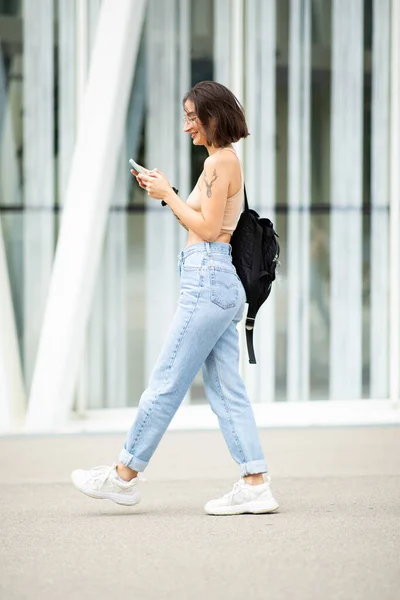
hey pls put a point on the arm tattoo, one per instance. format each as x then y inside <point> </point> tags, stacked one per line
<point>209,185</point>
<point>179,221</point>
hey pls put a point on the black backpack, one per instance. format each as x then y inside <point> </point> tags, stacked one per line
<point>255,254</point>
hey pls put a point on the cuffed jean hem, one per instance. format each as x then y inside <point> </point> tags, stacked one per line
<point>253,467</point>
<point>130,461</point>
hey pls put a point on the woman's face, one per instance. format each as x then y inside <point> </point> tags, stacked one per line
<point>193,125</point>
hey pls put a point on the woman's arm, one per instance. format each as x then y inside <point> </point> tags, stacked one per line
<point>206,223</point>
<point>180,222</point>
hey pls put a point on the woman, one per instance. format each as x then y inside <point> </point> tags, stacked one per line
<point>203,332</point>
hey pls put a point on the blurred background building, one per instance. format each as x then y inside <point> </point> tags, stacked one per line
<point>319,80</point>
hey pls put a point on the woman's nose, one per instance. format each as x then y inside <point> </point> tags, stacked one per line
<point>187,126</point>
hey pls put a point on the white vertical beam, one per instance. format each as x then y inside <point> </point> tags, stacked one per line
<point>82,63</point>
<point>67,92</point>
<point>91,392</point>
<point>38,121</point>
<point>222,41</point>
<point>298,351</point>
<point>136,110</point>
<point>260,49</point>
<point>12,393</point>
<point>11,94</point>
<point>93,379</point>
<point>394,382</point>
<point>252,99</point>
<point>94,7</point>
<point>10,128</point>
<point>346,200</point>
<point>237,49</point>
<point>115,292</point>
<point>135,251</point>
<point>82,53</point>
<point>253,110</point>
<point>184,176</point>
<point>88,197</point>
<point>306,200</point>
<point>236,57</point>
<point>266,193</point>
<point>229,70</point>
<point>161,258</point>
<point>184,142</point>
<point>116,267</point>
<point>379,335</point>
<point>242,40</point>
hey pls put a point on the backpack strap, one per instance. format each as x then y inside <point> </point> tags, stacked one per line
<point>252,299</point>
<point>249,341</point>
<point>246,204</point>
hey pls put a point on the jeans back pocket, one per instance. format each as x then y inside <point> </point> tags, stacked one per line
<point>224,286</point>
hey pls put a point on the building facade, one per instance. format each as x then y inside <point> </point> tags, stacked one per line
<point>88,263</point>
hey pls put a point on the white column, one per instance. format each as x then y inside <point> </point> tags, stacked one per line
<point>222,41</point>
<point>298,253</point>
<point>89,362</point>
<point>10,179</point>
<point>237,49</point>
<point>136,110</point>
<point>379,336</point>
<point>229,57</point>
<point>67,92</point>
<point>11,134</point>
<point>394,319</point>
<point>92,389</point>
<point>184,145</point>
<point>253,109</point>
<point>88,198</point>
<point>346,200</point>
<point>38,122</point>
<point>259,102</point>
<point>94,7</point>
<point>266,118</point>
<point>184,141</point>
<point>115,291</point>
<point>135,328</point>
<point>12,393</point>
<point>161,133</point>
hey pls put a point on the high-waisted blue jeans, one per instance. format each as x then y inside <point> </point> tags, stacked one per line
<point>204,334</point>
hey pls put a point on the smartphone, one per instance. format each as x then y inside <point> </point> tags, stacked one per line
<point>137,167</point>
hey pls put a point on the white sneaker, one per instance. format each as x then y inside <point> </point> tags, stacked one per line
<point>244,498</point>
<point>103,483</point>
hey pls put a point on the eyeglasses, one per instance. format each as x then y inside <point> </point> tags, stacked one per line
<point>189,120</point>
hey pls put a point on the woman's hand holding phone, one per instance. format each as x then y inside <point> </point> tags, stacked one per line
<point>154,182</point>
<point>138,171</point>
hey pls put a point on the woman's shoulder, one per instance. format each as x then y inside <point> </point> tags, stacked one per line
<point>224,158</point>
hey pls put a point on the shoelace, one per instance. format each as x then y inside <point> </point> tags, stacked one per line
<point>236,487</point>
<point>102,473</point>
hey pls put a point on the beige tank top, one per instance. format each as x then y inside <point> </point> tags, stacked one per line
<point>233,207</point>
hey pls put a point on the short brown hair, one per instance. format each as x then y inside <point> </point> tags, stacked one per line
<point>220,112</point>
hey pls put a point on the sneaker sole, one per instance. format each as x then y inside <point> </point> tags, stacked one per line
<point>108,496</point>
<point>253,508</point>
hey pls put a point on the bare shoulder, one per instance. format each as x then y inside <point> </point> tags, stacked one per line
<point>223,160</point>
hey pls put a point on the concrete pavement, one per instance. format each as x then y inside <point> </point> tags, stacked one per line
<point>337,535</point>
